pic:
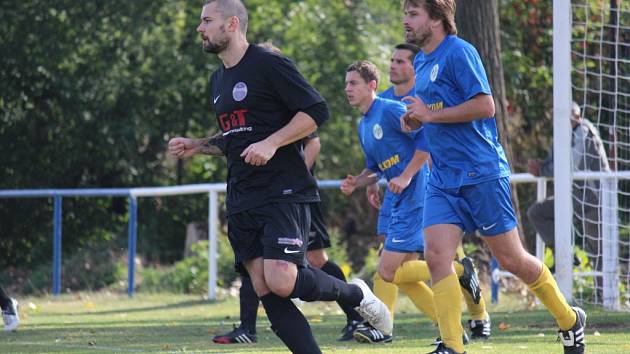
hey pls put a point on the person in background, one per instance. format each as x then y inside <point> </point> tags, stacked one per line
<point>10,315</point>
<point>587,154</point>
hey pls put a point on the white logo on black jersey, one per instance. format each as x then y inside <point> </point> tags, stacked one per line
<point>434,72</point>
<point>239,92</point>
<point>377,131</point>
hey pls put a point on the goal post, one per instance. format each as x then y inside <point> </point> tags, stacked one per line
<point>591,55</point>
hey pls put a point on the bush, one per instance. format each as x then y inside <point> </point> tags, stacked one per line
<point>190,275</point>
<point>92,268</point>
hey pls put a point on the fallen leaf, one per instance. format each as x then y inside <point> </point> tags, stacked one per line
<point>91,343</point>
<point>503,326</point>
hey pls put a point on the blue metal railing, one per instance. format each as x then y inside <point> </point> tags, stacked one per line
<point>213,189</point>
<point>131,193</point>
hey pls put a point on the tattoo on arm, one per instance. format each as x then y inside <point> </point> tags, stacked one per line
<point>213,145</point>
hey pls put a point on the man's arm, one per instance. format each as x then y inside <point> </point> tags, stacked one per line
<point>213,145</point>
<point>312,146</point>
<point>258,154</point>
<point>186,147</point>
<point>479,107</point>
<point>366,177</point>
<point>399,183</point>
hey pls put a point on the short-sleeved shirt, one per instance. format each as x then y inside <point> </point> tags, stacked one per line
<point>388,150</point>
<point>385,211</point>
<point>253,100</point>
<point>462,153</point>
<point>390,94</point>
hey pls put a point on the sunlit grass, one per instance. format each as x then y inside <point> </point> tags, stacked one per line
<point>105,322</point>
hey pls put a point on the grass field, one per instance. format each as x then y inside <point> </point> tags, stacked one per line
<point>166,323</point>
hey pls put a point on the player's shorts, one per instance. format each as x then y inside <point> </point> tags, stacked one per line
<point>271,231</point>
<point>318,235</point>
<point>384,213</point>
<point>404,234</point>
<point>486,207</point>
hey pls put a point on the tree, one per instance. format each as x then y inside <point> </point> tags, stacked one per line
<point>484,35</point>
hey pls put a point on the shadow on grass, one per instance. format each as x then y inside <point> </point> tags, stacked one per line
<point>183,304</point>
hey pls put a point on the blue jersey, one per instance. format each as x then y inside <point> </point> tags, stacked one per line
<point>391,95</point>
<point>462,153</point>
<point>388,150</point>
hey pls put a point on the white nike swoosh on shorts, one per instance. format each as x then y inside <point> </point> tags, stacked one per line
<point>288,251</point>
<point>486,228</point>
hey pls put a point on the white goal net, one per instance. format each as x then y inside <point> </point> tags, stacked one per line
<point>600,82</point>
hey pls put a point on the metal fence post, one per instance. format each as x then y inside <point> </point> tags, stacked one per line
<point>610,243</point>
<point>132,233</point>
<point>494,280</point>
<point>56,287</point>
<point>541,194</point>
<point>213,226</point>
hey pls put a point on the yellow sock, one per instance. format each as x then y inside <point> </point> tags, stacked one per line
<point>476,311</point>
<point>447,297</point>
<point>459,269</point>
<point>386,292</point>
<point>415,271</point>
<point>546,289</point>
<point>412,272</point>
<point>421,296</point>
<point>460,251</point>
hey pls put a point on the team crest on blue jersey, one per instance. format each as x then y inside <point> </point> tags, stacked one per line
<point>239,92</point>
<point>434,72</point>
<point>377,131</point>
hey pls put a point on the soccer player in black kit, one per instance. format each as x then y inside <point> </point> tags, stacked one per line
<point>264,107</point>
<point>318,241</point>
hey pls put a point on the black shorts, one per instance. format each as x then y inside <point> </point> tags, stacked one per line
<point>271,231</point>
<point>318,235</point>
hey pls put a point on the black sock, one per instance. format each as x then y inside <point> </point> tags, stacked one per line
<point>333,269</point>
<point>289,324</point>
<point>313,284</point>
<point>249,305</point>
<point>5,301</point>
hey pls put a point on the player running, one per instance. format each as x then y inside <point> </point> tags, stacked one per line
<point>469,187</point>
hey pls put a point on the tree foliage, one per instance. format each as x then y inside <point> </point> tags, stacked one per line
<point>91,91</point>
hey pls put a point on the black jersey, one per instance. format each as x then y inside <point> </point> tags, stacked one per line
<point>253,100</point>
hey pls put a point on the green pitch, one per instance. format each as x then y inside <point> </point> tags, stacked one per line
<point>161,323</point>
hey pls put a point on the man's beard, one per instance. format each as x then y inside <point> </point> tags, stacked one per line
<point>216,48</point>
<point>220,45</point>
<point>419,38</point>
<point>398,81</point>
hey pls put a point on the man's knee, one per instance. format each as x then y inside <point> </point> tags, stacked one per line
<point>280,277</point>
<point>387,273</point>
<point>437,260</point>
<point>260,287</point>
